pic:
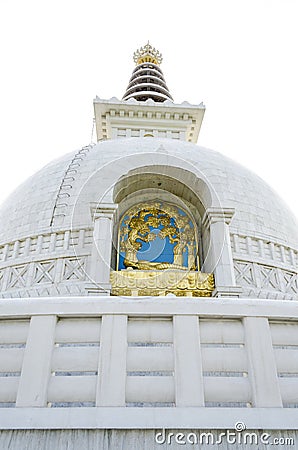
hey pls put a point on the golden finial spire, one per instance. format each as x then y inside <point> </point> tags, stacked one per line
<point>147,54</point>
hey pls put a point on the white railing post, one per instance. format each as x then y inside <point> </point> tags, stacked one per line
<point>262,370</point>
<point>188,362</point>
<point>36,368</point>
<point>112,361</point>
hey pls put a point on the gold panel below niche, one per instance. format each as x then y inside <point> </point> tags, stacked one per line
<point>160,283</point>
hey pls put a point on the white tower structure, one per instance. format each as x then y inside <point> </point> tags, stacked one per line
<point>148,291</point>
<point>147,80</point>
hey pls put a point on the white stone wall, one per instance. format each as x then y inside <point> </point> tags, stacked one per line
<point>112,373</point>
<point>117,439</point>
<point>148,353</point>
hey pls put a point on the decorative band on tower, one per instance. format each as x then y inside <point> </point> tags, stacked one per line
<point>147,80</point>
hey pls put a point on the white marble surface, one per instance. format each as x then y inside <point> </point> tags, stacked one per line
<point>259,211</point>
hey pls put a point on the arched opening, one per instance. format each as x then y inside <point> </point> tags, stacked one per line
<point>173,181</point>
<point>157,235</point>
<point>166,184</point>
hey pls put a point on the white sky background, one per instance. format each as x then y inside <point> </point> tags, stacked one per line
<point>238,57</point>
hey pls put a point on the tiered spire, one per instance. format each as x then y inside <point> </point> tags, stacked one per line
<point>147,80</point>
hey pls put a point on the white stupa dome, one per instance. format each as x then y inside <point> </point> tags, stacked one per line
<point>57,199</point>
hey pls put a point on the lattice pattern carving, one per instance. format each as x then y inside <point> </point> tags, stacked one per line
<point>263,280</point>
<point>44,272</point>
<point>291,282</point>
<point>74,269</point>
<point>17,276</point>
<point>270,278</point>
<point>25,278</point>
<point>244,273</point>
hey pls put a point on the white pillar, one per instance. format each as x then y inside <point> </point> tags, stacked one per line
<point>262,370</point>
<point>188,362</point>
<point>112,361</point>
<point>36,368</point>
<point>219,259</point>
<point>100,262</point>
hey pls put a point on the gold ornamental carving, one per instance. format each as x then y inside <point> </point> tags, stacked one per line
<point>147,54</point>
<point>145,223</point>
<point>158,253</point>
<point>159,283</point>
